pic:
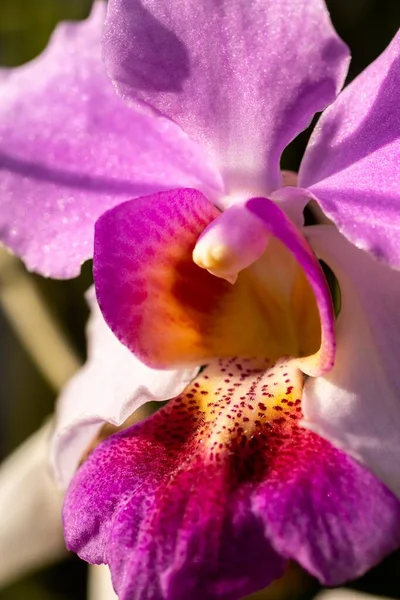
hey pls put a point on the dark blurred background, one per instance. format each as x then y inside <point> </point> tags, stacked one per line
<point>26,397</point>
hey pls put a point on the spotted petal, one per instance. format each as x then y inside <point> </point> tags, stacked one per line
<point>70,149</point>
<point>241,78</point>
<point>208,497</point>
<point>352,161</point>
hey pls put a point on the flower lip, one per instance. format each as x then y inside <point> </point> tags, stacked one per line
<point>171,313</point>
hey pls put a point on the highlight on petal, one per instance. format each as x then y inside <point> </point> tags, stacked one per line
<point>347,594</point>
<point>70,149</point>
<point>109,388</point>
<point>243,79</point>
<point>356,405</point>
<point>99,585</point>
<point>208,497</point>
<point>170,312</point>
<point>30,510</point>
<point>352,161</point>
<point>279,225</point>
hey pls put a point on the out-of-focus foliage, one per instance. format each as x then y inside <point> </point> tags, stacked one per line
<point>25,398</point>
<point>25,25</point>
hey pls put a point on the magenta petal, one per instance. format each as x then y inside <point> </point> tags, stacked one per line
<point>70,149</point>
<point>352,161</point>
<point>278,224</point>
<point>331,515</point>
<point>189,504</point>
<point>146,279</point>
<point>167,532</point>
<point>242,78</point>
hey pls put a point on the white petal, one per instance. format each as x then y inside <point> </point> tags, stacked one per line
<point>99,585</point>
<point>345,594</point>
<point>110,387</point>
<point>30,510</point>
<point>357,405</point>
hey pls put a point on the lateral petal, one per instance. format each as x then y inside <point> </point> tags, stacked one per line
<point>70,149</point>
<point>352,161</point>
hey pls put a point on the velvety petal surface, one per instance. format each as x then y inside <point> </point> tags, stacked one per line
<point>109,388</point>
<point>202,499</point>
<point>243,78</point>
<point>70,149</point>
<point>170,312</point>
<point>352,161</point>
<point>356,405</point>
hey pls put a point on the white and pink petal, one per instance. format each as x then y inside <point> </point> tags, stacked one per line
<point>356,405</point>
<point>109,388</point>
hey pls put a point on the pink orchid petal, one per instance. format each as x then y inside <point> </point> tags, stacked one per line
<point>356,405</point>
<point>352,161</point>
<point>70,149</point>
<point>279,225</point>
<point>209,497</point>
<point>241,78</point>
<point>109,388</point>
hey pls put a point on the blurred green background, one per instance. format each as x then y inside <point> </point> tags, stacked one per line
<point>25,397</point>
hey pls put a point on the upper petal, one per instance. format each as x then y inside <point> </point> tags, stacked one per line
<point>70,149</point>
<point>356,405</point>
<point>352,161</point>
<point>109,388</point>
<point>243,78</point>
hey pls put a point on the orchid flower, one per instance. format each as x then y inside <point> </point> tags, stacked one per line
<point>281,437</point>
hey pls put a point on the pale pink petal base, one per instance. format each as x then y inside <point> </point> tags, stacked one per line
<point>356,406</point>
